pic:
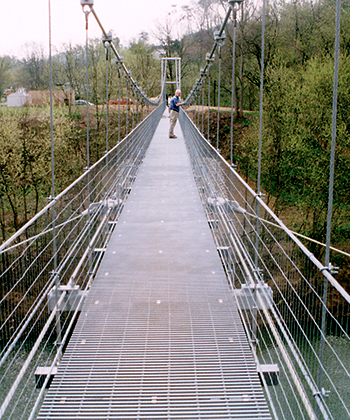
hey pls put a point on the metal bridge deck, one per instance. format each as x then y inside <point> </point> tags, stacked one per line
<point>159,336</point>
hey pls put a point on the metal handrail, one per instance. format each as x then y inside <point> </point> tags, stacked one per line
<point>26,258</point>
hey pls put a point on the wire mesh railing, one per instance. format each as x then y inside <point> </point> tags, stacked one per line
<point>295,313</point>
<point>47,268</point>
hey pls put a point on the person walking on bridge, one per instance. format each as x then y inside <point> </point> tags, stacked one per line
<point>174,108</point>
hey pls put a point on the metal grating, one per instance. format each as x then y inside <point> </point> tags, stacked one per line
<point>159,336</point>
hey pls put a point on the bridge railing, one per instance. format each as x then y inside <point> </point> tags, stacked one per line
<point>47,268</point>
<point>295,313</point>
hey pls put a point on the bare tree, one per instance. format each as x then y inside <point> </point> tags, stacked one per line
<point>34,67</point>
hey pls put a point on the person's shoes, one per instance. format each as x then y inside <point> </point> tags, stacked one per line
<point>172,137</point>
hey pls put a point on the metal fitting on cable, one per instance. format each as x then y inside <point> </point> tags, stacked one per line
<point>220,39</point>
<point>87,6</point>
<point>88,3</point>
<point>259,273</point>
<point>232,3</point>
<point>260,195</point>
<point>209,59</point>
<point>107,39</point>
<point>331,269</point>
<point>323,393</point>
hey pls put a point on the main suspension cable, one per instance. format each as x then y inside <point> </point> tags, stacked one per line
<point>133,85</point>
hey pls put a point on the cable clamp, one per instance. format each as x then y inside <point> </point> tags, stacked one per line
<point>119,61</point>
<point>220,39</point>
<point>261,195</point>
<point>331,269</point>
<point>322,393</point>
<point>86,4</point>
<point>210,59</point>
<point>55,273</point>
<point>107,38</point>
<point>233,3</point>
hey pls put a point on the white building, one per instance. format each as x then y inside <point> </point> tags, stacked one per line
<point>18,98</point>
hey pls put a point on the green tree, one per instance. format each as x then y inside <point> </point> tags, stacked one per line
<point>297,138</point>
<point>144,65</point>
<point>25,162</point>
<point>5,73</point>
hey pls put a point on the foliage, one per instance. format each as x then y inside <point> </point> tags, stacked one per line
<point>5,72</point>
<point>297,145</point>
<point>25,156</point>
<point>298,77</point>
<point>143,64</point>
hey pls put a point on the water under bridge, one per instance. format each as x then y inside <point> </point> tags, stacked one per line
<point>159,285</point>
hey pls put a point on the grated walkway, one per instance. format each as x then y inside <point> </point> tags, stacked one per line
<point>159,336</point>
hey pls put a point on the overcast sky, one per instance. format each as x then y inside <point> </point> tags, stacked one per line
<point>26,21</point>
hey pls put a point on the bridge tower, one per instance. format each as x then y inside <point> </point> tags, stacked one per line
<point>171,73</point>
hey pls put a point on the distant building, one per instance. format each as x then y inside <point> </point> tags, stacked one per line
<point>17,99</point>
<point>42,97</point>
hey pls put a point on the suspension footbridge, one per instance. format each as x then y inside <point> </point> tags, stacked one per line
<point>159,335</point>
<point>159,285</point>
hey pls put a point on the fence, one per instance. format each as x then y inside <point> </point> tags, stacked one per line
<point>47,268</point>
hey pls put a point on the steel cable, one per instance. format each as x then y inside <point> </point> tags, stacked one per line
<point>107,46</point>
<point>260,129</point>
<point>330,192</point>
<point>233,84</point>
<point>208,105</point>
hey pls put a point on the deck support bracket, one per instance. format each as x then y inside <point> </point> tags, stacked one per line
<point>73,296</point>
<point>247,299</point>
